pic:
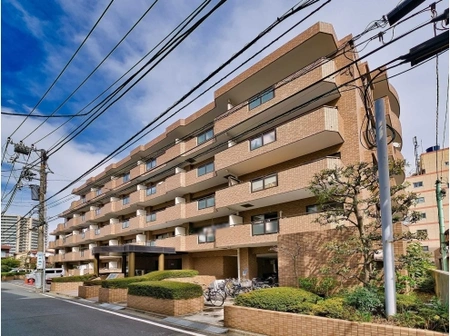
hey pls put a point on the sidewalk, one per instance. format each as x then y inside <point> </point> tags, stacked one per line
<point>210,321</point>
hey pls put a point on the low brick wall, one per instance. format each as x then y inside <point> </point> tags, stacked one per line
<point>87,292</point>
<point>60,287</point>
<point>166,307</point>
<point>202,280</point>
<point>12,277</point>
<point>112,295</point>
<point>441,285</point>
<point>272,323</point>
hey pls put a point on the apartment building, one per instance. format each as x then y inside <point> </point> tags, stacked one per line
<point>216,190</point>
<point>433,165</point>
<point>16,232</point>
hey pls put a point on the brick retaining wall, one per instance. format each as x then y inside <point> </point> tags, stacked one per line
<point>65,286</point>
<point>112,295</point>
<point>274,323</point>
<point>87,292</point>
<point>166,307</point>
<point>202,280</point>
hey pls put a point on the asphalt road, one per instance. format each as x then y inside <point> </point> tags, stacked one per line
<point>25,312</point>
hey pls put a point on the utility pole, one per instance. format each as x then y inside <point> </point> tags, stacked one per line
<point>440,194</point>
<point>42,221</point>
<point>387,231</point>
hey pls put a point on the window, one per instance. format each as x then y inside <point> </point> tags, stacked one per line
<point>83,199</point>
<point>206,236</point>
<point>265,183</point>
<point>265,224</point>
<point>446,163</point>
<point>206,202</point>
<point>98,211</point>
<point>205,169</point>
<point>126,177</point>
<point>421,200</point>
<point>125,224</point>
<point>418,184</point>
<point>98,192</point>
<point>151,190</point>
<point>150,164</point>
<point>425,248</point>
<point>97,231</point>
<point>312,208</point>
<point>83,217</point>
<point>151,217</point>
<point>205,136</point>
<point>164,235</point>
<point>263,140</point>
<point>261,98</point>
<point>423,215</point>
<point>126,200</point>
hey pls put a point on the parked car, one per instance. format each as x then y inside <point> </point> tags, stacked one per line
<point>49,274</point>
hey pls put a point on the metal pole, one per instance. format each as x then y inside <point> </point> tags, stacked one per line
<point>440,207</point>
<point>42,222</point>
<point>386,210</point>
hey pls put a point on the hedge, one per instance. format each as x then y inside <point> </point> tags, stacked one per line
<point>169,290</point>
<point>283,299</point>
<point>152,276</point>
<point>74,278</point>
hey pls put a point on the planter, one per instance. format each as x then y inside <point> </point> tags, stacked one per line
<point>166,307</point>
<point>61,287</point>
<point>274,323</point>
<point>87,292</point>
<point>202,280</point>
<point>110,295</point>
<point>7,277</point>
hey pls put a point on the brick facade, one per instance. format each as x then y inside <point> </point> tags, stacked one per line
<point>110,295</point>
<point>59,287</point>
<point>87,292</point>
<point>166,307</point>
<point>272,323</point>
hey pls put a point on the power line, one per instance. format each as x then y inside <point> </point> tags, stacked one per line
<point>96,68</point>
<point>65,67</point>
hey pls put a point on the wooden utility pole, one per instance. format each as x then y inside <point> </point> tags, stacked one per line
<point>42,213</point>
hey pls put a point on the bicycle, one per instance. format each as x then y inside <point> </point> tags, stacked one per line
<point>216,297</point>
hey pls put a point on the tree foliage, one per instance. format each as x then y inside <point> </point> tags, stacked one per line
<point>349,197</point>
<point>9,263</point>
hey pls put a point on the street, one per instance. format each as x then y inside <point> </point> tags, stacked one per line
<point>25,312</point>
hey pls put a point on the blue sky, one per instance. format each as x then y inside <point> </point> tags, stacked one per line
<point>38,38</point>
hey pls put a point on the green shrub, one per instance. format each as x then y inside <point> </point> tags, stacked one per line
<point>166,290</point>
<point>284,299</point>
<point>320,286</point>
<point>170,274</point>
<point>93,283</point>
<point>152,276</point>
<point>365,299</point>
<point>74,278</point>
<point>408,302</point>
<point>332,307</point>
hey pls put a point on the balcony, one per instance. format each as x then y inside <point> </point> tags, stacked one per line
<point>170,216</point>
<point>241,235</point>
<point>292,184</point>
<point>174,242</point>
<point>60,228</point>
<point>309,133</point>
<point>137,171</point>
<point>193,213</point>
<point>137,224</point>
<point>198,242</point>
<point>289,95</point>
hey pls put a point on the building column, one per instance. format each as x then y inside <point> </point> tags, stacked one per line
<point>161,262</point>
<point>124,263</point>
<point>131,264</point>
<point>97,264</point>
<point>187,262</point>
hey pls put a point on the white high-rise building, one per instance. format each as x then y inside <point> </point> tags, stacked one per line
<point>18,232</point>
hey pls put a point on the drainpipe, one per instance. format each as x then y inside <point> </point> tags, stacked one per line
<point>239,263</point>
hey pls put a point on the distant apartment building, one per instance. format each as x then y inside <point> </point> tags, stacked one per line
<point>18,232</point>
<point>433,165</point>
<point>216,190</point>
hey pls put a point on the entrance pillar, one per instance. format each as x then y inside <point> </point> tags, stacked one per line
<point>97,264</point>
<point>161,262</point>
<point>131,264</point>
<point>124,263</point>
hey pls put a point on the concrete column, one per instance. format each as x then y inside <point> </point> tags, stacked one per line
<point>97,264</point>
<point>187,262</point>
<point>161,262</point>
<point>131,264</point>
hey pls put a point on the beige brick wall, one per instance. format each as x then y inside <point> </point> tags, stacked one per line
<point>59,287</point>
<point>166,307</point>
<point>273,323</point>
<point>87,292</point>
<point>112,294</point>
<point>202,280</point>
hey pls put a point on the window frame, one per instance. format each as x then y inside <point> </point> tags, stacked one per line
<point>423,215</point>
<point>126,177</point>
<point>205,199</point>
<point>267,218</point>
<point>263,179</point>
<point>418,184</point>
<point>261,138</point>
<point>98,192</point>
<point>153,187</point>
<point>209,132</point>
<point>125,224</point>
<point>152,165</point>
<point>420,200</point>
<point>260,98</point>
<point>205,166</point>
<point>151,216</point>
<point>126,200</point>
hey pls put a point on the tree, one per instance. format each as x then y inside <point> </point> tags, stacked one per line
<point>294,253</point>
<point>9,263</point>
<point>349,198</point>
